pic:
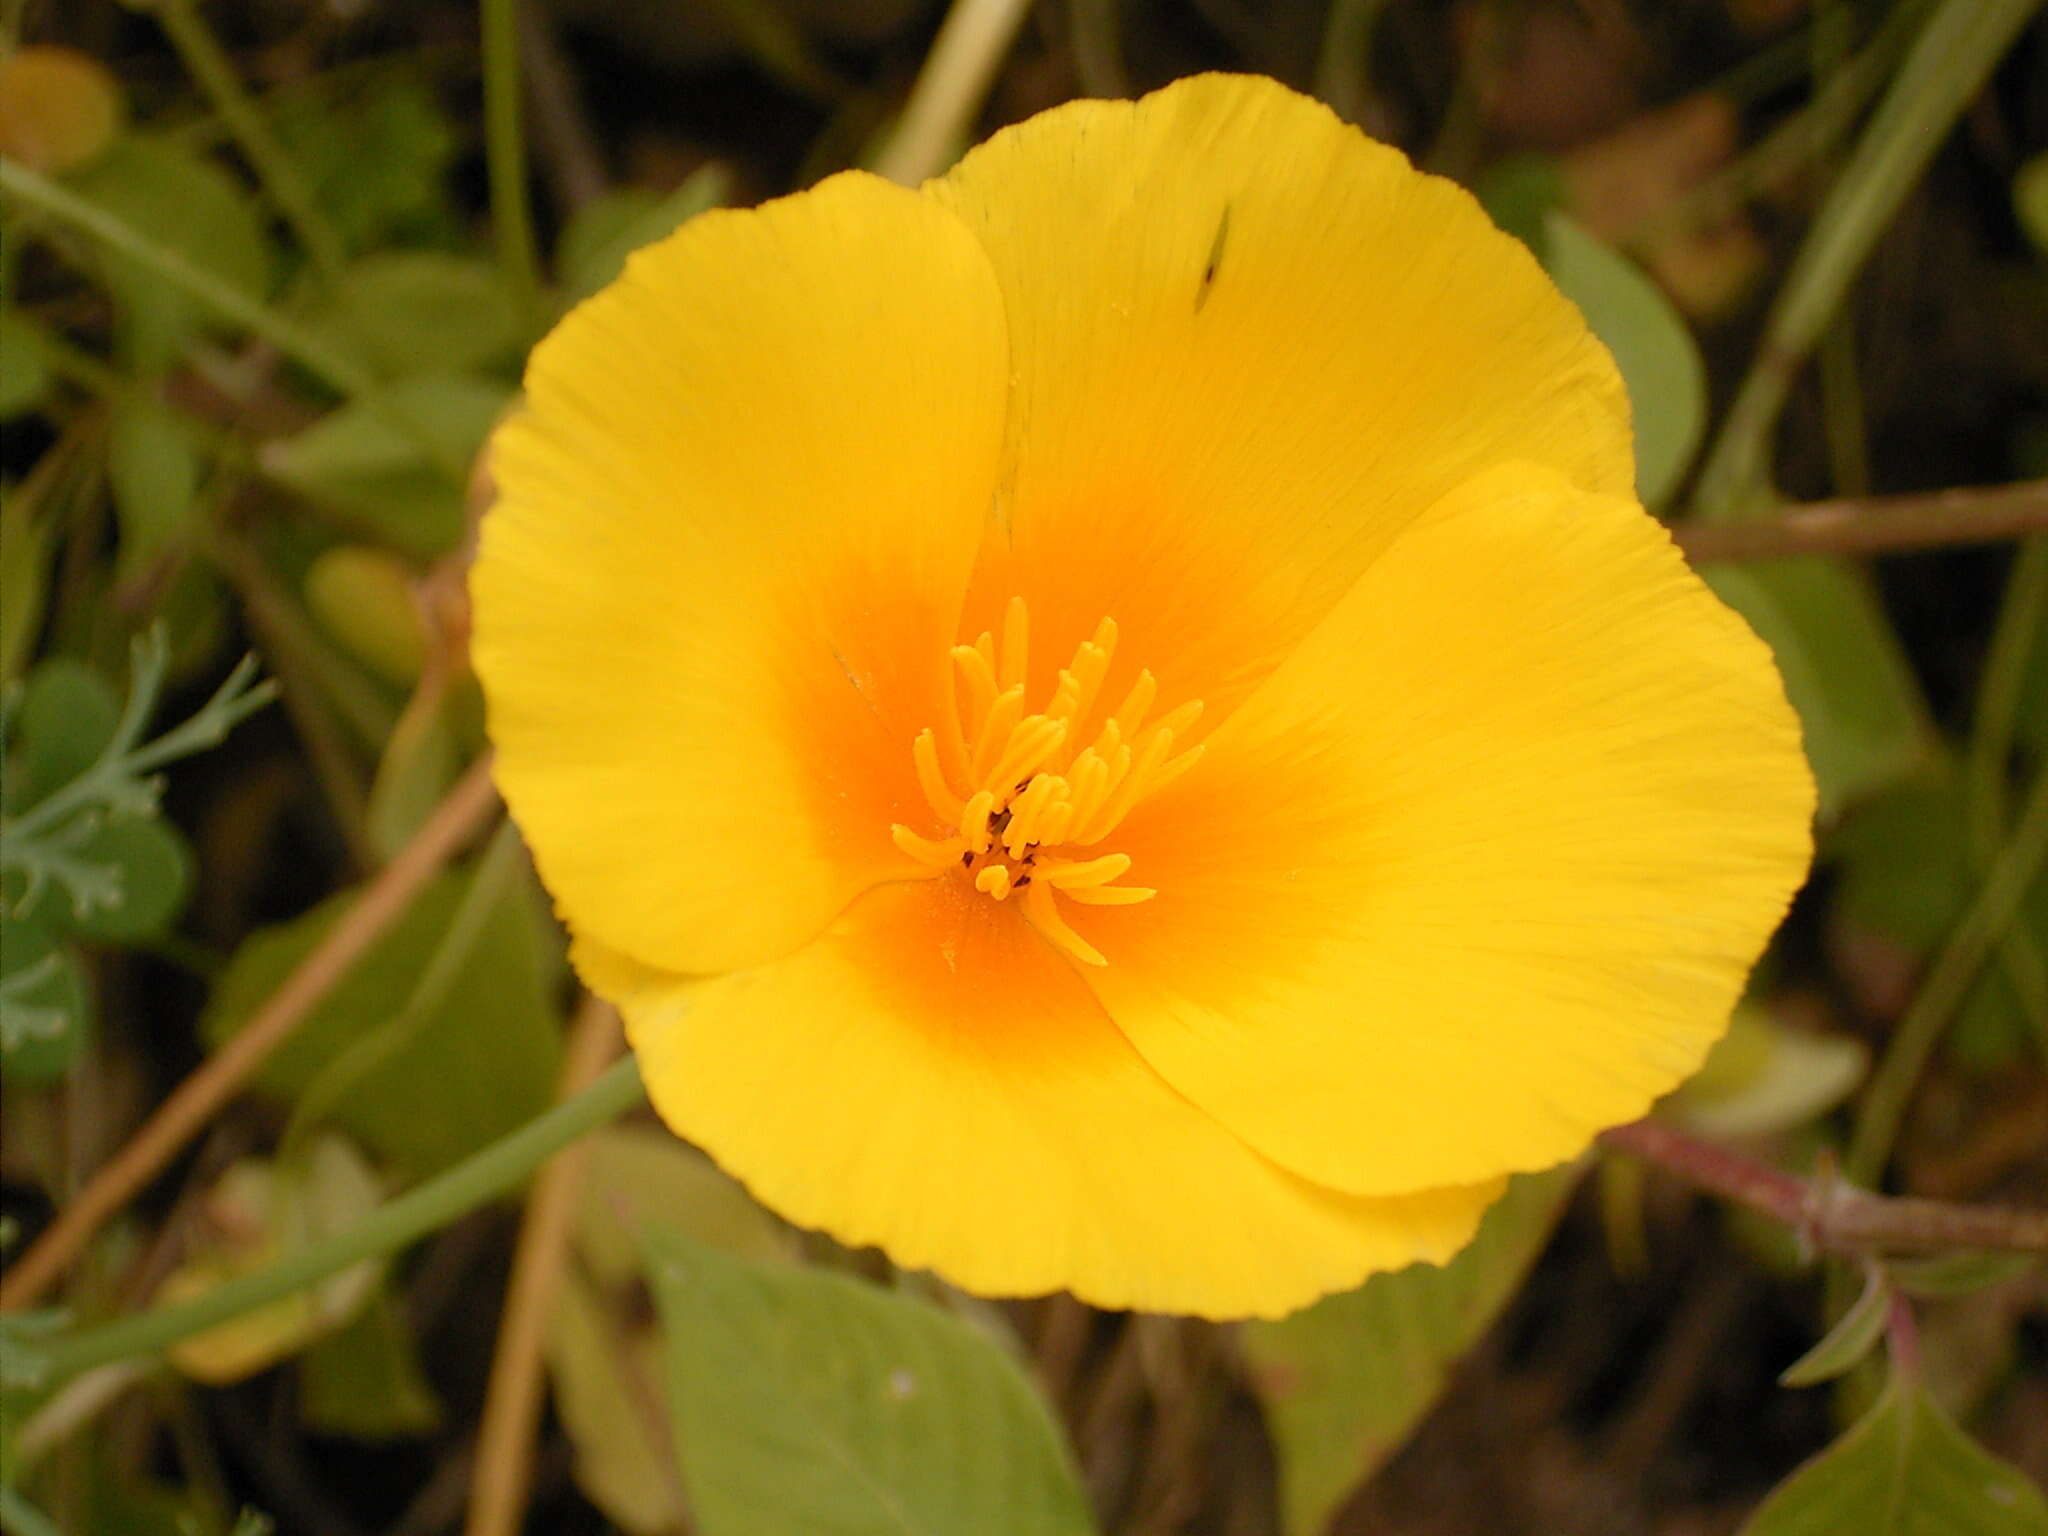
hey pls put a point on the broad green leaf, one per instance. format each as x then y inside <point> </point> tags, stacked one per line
<point>478,1066</point>
<point>45,1005</point>
<point>1865,722</point>
<point>1659,361</point>
<point>377,158</point>
<point>67,717</point>
<point>640,1175</point>
<point>363,596</point>
<point>360,464</point>
<point>1846,1345</point>
<point>256,1213</point>
<point>187,202</point>
<point>811,1403</point>
<point>365,1381</point>
<point>605,231</point>
<point>1903,1470</point>
<point>1346,1381</point>
<point>606,1370</point>
<point>153,468</point>
<point>1761,1077</point>
<point>414,312</point>
<point>24,375</point>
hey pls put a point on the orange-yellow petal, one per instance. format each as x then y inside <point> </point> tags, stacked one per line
<point>735,520</point>
<point>1482,868</point>
<point>930,1077</point>
<point>1250,346</point>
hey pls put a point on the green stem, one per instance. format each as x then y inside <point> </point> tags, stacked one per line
<point>18,1517</point>
<point>2011,874</point>
<point>230,303</point>
<point>1343,61</point>
<point>1944,70</point>
<point>338,370</point>
<point>496,1169</point>
<point>505,150</point>
<point>2022,621</point>
<point>950,89</point>
<point>209,64</point>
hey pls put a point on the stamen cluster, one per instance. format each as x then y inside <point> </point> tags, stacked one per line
<point>1021,802</point>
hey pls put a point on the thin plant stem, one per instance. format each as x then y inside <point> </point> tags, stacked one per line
<point>1883,1104</point>
<point>950,89</point>
<point>1945,68</point>
<point>210,65</point>
<point>65,206</point>
<point>1343,73</point>
<point>504,1441</point>
<point>196,1100</point>
<point>338,370</point>
<point>505,153</point>
<point>1874,525</point>
<point>471,1183</point>
<point>18,1517</point>
<point>2022,623</point>
<point>1098,48</point>
<point>1827,1214</point>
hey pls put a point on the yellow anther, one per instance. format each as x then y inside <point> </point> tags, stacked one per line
<point>1044,914</point>
<point>1131,713</point>
<point>1087,872</point>
<point>1001,720</point>
<point>1031,743</point>
<point>938,855</point>
<point>974,818</point>
<point>1110,895</point>
<point>994,880</point>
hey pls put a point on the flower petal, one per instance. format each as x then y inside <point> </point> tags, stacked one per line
<point>1251,345</point>
<point>1482,869</point>
<point>929,1076</point>
<point>734,524</point>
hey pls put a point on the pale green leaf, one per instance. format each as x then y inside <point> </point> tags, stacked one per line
<point>1958,1274</point>
<point>606,1373</point>
<point>1761,1078</point>
<point>365,1381</point>
<point>1866,726</point>
<point>1903,1470</point>
<point>479,1065</point>
<point>24,375</point>
<point>1846,1345</point>
<point>183,200</point>
<point>605,231</point>
<point>153,469</point>
<point>360,464</point>
<point>415,312</point>
<point>1659,361</point>
<point>1345,1382</point>
<point>813,1404</point>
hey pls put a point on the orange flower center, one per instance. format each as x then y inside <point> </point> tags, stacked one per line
<point>1026,800</point>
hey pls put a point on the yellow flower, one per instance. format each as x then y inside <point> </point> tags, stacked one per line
<point>1112,722</point>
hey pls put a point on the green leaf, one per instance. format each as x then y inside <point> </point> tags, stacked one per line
<point>417,312</point>
<point>418,766</point>
<point>1958,1274</point>
<point>635,1176</point>
<point>1846,1345</point>
<point>599,1362</point>
<point>66,719</point>
<point>45,1006</point>
<point>1346,1381</point>
<point>480,1064</point>
<point>364,597</point>
<point>1519,193</point>
<point>365,1381</point>
<point>808,1402</point>
<point>156,876</point>
<point>190,204</point>
<point>602,233</point>
<point>153,468</point>
<point>24,374</point>
<point>1903,1470</point>
<point>358,463</point>
<point>377,158</point>
<point>1659,361</point>
<point>1762,1078</point>
<point>1866,725</point>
